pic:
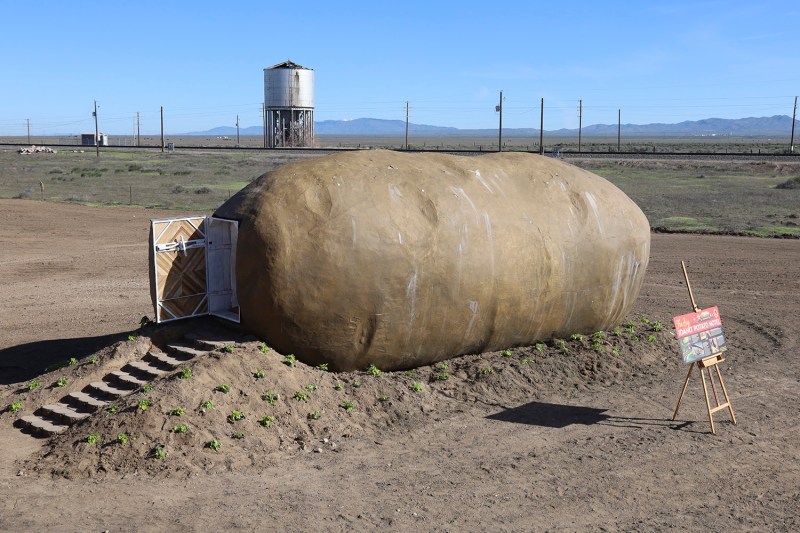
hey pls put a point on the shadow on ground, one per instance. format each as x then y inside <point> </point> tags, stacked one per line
<point>27,361</point>
<point>554,415</point>
<point>551,415</point>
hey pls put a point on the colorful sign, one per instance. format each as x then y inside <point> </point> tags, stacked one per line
<point>700,334</point>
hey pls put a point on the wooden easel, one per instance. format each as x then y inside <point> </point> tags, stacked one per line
<point>707,363</point>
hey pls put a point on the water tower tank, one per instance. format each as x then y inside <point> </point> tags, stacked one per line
<point>289,105</point>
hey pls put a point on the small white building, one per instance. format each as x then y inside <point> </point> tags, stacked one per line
<point>87,139</point>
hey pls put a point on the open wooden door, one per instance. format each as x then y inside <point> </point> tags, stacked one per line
<point>193,270</point>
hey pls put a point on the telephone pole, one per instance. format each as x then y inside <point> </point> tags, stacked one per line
<point>619,127</point>
<point>500,131</point>
<point>541,129</point>
<point>29,128</point>
<point>580,123</point>
<point>162,129</point>
<point>138,137</point>
<point>794,114</point>
<point>96,130</point>
<point>237,131</point>
<point>406,124</point>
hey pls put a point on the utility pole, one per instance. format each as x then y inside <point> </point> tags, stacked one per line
<point>29,127</point>
<point>580,123</point>
<point>500,131</point>
<point>619,127</point>
<point>541,129</point>
<point>162,129</point>
<point>794,114</point>
<point>96,130</point>
<point>237,131</point>
<point>138,135</point>
<point>406,124</point>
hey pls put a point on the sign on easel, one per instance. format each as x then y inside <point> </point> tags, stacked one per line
<point>700,334</point>
<point>702,344</point>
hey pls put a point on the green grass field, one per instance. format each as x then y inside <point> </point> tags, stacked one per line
<point>677,196</point>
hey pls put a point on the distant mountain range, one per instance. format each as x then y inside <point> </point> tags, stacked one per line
<point>778,125</point>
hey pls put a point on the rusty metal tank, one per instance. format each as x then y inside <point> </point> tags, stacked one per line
<point>401,260</point>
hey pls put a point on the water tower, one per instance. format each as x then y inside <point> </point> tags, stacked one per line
<point>289,105</point>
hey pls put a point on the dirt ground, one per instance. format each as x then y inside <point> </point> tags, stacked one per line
<point>592,448</point>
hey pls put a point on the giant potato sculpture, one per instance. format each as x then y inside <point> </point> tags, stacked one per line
<point>402,260</point>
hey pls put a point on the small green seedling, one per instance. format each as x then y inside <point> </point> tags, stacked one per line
<point>93,438</point>
<point>561,345</point>
<point>270,397</point>
<point>524,361</point>
<point>658,326</point>
<point>15,406</point>
<point>442,366</point>
<point>113,409</point>
<point>347,406</point>
<point>315,415</point>
<point>617,332</point>
<point>290,360</point>
<point>645,320</point>
<point>266,420</point>
<point>159,452</point>
<point>180,428</point>
<point>356,383</point>
<point>259,374</point>
<point>338,386</point>
<point>263,348</point>
<point>35,384</point>
<point>178,411</point>
<point>214,444</point>
<point>145,404</point>
<point>506,353</point>
<point>383,398</point>
<point>147,388</point>
<point>62,382</point>
<point>323,367</point>
<point>235,416</point>
<point>237,435</point>
<point>72,361</point>
<point>131,338</point>
<point>311,388</point>
<point>207,404</point>
<point>576,337</point>
<point>186,373</point>
<point>442,376</point>
<point>225,389</point>
<point>487,370</point>
<point>651,339</point>
<point>615,351</point>
<point>540,347</point>
<point>599,335</point>
<point>410,373</point>
<point>300,396</point>
<point>227,348</point>
<point>416,386</point>
<point>123,438</point>
<point>93,359</point>
<point>374,370</point>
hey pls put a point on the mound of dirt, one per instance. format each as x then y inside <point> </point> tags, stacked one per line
<point>242,405</point>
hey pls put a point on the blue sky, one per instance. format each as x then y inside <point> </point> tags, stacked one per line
<point>203,61</point>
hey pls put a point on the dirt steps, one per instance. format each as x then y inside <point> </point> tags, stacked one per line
<point>55,418</point>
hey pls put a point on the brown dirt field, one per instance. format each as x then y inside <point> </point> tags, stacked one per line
<point>567,442</point>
